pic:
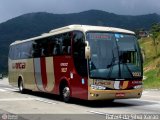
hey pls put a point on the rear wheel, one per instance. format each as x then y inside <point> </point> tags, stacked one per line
<point>65,93</point>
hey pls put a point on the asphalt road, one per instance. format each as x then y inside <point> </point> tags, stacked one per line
<point>40,106</point>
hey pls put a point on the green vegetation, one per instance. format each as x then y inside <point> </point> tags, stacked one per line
<point>151,49</point>
<point>152,81</point>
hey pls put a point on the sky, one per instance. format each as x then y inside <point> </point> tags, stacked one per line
<point>13,8</point>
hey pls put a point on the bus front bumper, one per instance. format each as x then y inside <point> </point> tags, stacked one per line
<point>113,94</point>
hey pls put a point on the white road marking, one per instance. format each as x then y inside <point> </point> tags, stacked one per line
<point>25,99</point>
<point>45,101</point>
<point>15,99</point>
<point>11,89</point>
<point>2,90</point>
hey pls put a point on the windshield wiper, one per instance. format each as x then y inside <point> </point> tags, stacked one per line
<point>111,65</point>
<point>119,66</point>
<point>114,61</point>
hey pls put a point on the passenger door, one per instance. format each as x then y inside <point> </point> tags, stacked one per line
<point>79,82</point>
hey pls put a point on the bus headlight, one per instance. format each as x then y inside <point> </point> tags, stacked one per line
<point>137,86</point>
<point>97,87</point>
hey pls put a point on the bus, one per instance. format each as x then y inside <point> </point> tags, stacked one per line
<point>79,61</point>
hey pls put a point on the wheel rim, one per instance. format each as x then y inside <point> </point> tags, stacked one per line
<point>66,92</point>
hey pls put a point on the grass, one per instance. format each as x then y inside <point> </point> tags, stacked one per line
<point>152,81</point>
<point>151,63</point>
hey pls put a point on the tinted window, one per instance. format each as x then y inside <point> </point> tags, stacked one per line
<point>62,44</point>
<point>45,47</point>
<point>66,44</point>
<point>25,50</point>
<point>21,51</point>
<point>55,45</point>
<point>14,52</point>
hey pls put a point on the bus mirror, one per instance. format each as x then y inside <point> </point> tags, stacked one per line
<point>87,50</point>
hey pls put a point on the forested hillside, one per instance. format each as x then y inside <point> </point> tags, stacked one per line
<point>33,24</point>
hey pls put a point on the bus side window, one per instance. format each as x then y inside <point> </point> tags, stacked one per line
<point>36,50</point>
<point>50,47</point>
<point>14,52</point>
<point>55,42</point>
<point>61,44</point>
<point>58,45</point>
<point>26,50</point>
<point>58,48</point>
<point>17,52</point>
<point>66,43</point>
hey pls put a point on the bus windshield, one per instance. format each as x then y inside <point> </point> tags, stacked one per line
<point>114,56</point>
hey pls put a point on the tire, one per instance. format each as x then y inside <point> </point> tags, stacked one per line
<point>21,87</point>
<point>65,93</point>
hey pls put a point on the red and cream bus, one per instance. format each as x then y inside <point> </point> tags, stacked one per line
<point>79,61</point>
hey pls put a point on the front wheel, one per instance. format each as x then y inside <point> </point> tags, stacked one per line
<point>110,101</point>
<point>66,94</point>
<point>21,87</point>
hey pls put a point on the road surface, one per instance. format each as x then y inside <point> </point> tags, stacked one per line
<point>39,106</point>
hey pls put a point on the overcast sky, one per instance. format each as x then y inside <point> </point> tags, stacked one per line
<point>13,8</point>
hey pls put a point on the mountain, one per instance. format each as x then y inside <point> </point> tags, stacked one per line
<point>34,24</point>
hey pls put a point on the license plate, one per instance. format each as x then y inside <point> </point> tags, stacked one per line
<point>120,94</point>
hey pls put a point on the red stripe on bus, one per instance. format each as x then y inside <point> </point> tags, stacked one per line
<point>43,72</point>
<point>130,85</point>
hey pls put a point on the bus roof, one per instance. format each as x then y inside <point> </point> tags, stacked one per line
<point>83,28</point>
